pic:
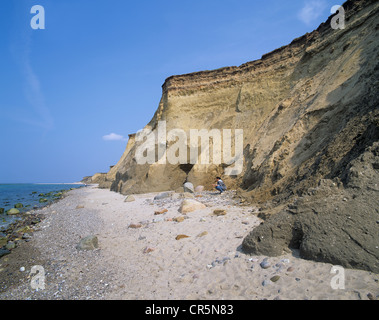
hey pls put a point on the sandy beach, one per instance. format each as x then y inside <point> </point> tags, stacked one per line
<point>148,250</point>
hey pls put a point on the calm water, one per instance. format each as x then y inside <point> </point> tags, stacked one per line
<point>28,195</point>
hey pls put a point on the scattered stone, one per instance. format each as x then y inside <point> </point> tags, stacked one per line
<point>199,189</point>
<point>203,234</point>
<point>135,226</point>
<point>163,211</point>
<point>4,252</point>
<point>3,241</point>
<point>188,187</point>
<point>265,264</point>
<point>13,211</point>
<point>370,296</point>
<point>43,200</point>
<point>10,245</point>
<point>156,220</point>
<point>148,250</point>
<point>130,198</point>
<point>80,207</point>
<point>190,205</point>
<point>163,195</point>
<point>275,278</point>
<point>266,283</point>
<point>219,212</point>
<point>179,219</point>
<point>18,205</point>
<point>290,269</point>
<point>22,269</point>
<point>2,210</point>
<point>181,236</point>
<point>88,243</point>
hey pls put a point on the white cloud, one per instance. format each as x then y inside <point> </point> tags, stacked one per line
<point>311,11</point>
<point>113,137</point>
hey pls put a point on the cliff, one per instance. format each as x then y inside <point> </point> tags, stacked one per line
<point>308,111</point>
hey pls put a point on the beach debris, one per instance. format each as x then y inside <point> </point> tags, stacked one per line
<point>265,264</point>
<point>88,243</point>
<point>129,198</point>
<point>159,212</point>
<point>181,236</point>
<point>80,206</point>
<point>189,205</point>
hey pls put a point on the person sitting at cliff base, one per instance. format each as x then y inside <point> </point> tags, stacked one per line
<point>220,185</point>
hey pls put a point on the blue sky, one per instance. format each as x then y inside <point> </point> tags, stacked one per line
<point>71,93</point>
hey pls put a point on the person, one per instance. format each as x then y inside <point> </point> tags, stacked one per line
<point>220,185</point>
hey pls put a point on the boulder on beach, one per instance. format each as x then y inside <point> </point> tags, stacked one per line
<point>188,187</point>
<point>13,211</point>
<point>129,198</point>
<point>189,205</point>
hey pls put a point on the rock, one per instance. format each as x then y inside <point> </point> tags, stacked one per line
<point>199,189</point>
<point>22,269</point>
<point>18,205</point>
<point>80,206</point>
<point>135,226</point>
<point>219,212</point>
<point>148,250</point>
<point>43,200</point>
<point>129,198</point>
<point>13,212</point>
<point>179,219</point>
<point>3,241</point>
<point>266,283</point>
<point>4,252</point>
<point>290,269</point>
<point>203,234</point>
<point>190,205</point>
<point>88,243</point>
<point>163,211</point>
<point>275,278</point>
<point>188,187</point>
<point>2,210</point>
<point>163,195</point>
<point>265,264</point>
<point>10,245</point>
<point>181,236</point>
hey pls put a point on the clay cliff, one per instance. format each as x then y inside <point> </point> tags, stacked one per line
<point>309,115</point>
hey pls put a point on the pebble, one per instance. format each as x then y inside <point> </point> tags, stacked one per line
<point>266,283</point>
<point>265,264</point>
<point>22,269</point>
<point>275,278</point>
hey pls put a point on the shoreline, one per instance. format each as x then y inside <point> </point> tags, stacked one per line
<point>141,255</point>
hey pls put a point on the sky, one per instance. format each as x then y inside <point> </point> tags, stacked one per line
<point>72,92</point>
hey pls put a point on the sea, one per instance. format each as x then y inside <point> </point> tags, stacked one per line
<point>29,195</point>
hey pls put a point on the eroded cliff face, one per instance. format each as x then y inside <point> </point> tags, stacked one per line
<point>292,106</point>
<point>308,111</point>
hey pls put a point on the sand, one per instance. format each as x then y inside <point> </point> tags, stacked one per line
<point>141,257</point>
